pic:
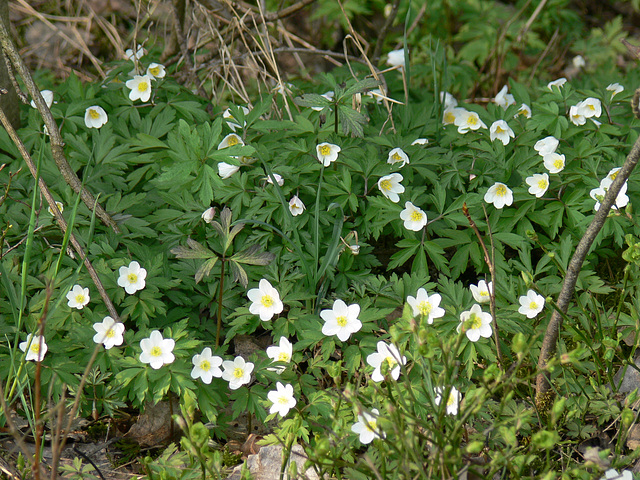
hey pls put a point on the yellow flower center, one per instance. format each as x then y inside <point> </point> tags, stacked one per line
<point>542,184</point>
<point>238,372</point>
<point>558,163</point>
<point>370,425</point>
<point>80,298</point>
<point>416,216</point>
<point>449,117</point>
<point>499,130</point>
<point>452,399</point>
<point>205,365</point>
<point>612,176</point>
<point>266,301</point>
<point>283,357</point>
<point>233,141</point>
<point>35,347</point>
<point>143,87</point>
<point>385,185</point>
<point>501,191</point>
<point>396,157</point>
<point>533,305</point>
<point>132,277</point>
<point>94,114</point>
<point>155,71</point>
<point>110,333</point>
<point>391,362</point>
<point>484,293</point>
<point>592,108</point>
<point>425,308</point>
<point>341,321</point>
<point>156,351</point>
<point>472,120</point>
<point>522,111</point>
<point>283,400</point>
<point>473,322</point>
<point>325,150</point>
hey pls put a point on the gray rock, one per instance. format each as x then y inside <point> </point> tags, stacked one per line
<point>265,465</point>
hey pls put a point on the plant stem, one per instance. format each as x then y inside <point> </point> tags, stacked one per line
<point>223,261</point>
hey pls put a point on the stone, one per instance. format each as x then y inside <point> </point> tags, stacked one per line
<point>266,464</point>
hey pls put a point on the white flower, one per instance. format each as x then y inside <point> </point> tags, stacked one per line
<point>481,292</point>
<point>342,320</point>
<point>376,94</point>
<point>328,95</point>
<point>452,402</point>
<point>206,366</point>
<point>448,100</point>
<point>265,301</point>
<point>614,475</point>
<point>502,131</point>
<point>524,110</point>
<point>208,214</point>
<point>131,55</point>
<point>367,427</point>
<point>450,115</point>
<point>229,117</point>
<point>614,88</point>
<point>47,96</point>
<point>296,207</point>
<point>395,58</point>
<point>559,83</point>
<point>531,304</point>
<point>132,278</point>
<point>157,351</point>
<point>546,146</point>
<point>397,155</point>
<point>475,323</point>
<point>156,70</point>
<point>554,162</point>
<point>60,206</point>
<point>282,399</point>
<point>613,173</point>
<point>78,297</point>
<point>230,140</point>
<point>140,86</point>
<point>575,117</point>
<point>281,353</point>
<point>95,117</point>
<point>598,194</point>
<point>466,121</point>
<point>390,186</point>
<point>327,153</point>
<point>420,141</point>
<point>237,373</point>
<point>504,99</point>
<point>426,305</point>
<point>386,353</point>
<point>589,107</point>
<point>499,194</point>
<point>37,348</point>
<point>578,62</point>
<point>414,218</point>
<point>538,184</point>
<point>225,170</point>
<point>279,179</point>
<point>108,332</point>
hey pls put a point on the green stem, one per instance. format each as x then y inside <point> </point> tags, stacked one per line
<point>221,290</point>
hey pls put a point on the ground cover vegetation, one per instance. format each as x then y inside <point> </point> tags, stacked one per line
<point>421,262</point>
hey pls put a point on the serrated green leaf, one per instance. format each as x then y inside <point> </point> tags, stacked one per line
<point>193,250</point>
<point>205,269</point>
<point>249,256</point>
<point>312,100</point>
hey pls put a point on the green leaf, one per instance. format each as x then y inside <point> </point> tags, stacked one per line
<point>250,256</point>
<point>205,269</point>
<point>194,250</point>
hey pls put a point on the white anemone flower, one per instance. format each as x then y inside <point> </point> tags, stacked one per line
<point>281,353</point>
<point>538,184</point>
<point>60,206</point>
<point>78,297</point>
<point>397,155</point>
<point>502,131</point>
<point>228,116</point>
<point>395,58</point>
<point>390,186</point>
<point>614,88</point>
<point>481,292</point>
<point>265,301</point>
<point>578,62</point>
<point>547,145</point>
<point>467,121</point>
<point>296,207</point>
<point>448,100</point>
<point>612,474</point>
<point>140,86</point>
<point>504,99</point>
<point>389,354</point>
<point>206,366</point>
<point>367,427</point>
<point>450,115</point>
<point>132,278</point>
<point>47,96</point>
<point>327,153</point>
<point>559,83</point>
<point>426,305</point>
<point>109,332</point>
<point>35,347</point>
<point>452,402</point>
<point>279,179</point>
<point>575,116</point>
<point>156,70</point>
<point>95,117</point>
<point>499,194</point>
<point>531,304</point>
<point>554,162</point>
<point>414,217</point>
<point>589,107</point>
<point>598,194</point>
<point>230,140</point>
<point>138,54</point>
<point>208,214</point>
<point>524,111</point>
<point>420,141</point>
<point>226,170</point>
<point>475,323</point>
<point>282,399</point>
<point>342,320</point>
<point>156,350</point>
<point>237,372</point>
